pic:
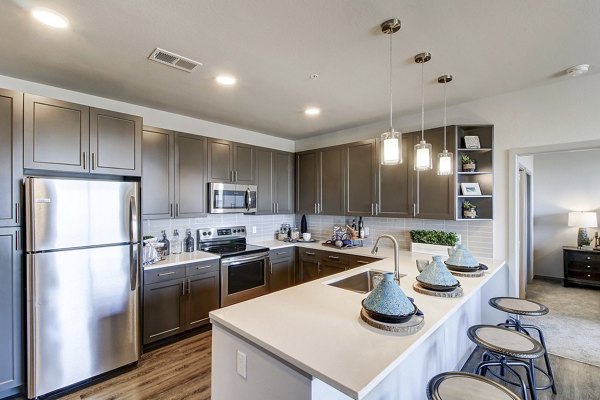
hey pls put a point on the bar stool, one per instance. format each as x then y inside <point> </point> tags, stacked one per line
<point>462,385</point>
<point>529,308</point>
<point>507,348</point>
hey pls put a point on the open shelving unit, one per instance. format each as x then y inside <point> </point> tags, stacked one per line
<point>483,175</point>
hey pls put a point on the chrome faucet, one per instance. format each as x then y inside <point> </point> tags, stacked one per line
<point>396,266</point>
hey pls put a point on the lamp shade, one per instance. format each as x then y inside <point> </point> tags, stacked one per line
<point>583,219</point>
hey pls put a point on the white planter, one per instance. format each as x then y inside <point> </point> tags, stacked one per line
<point>433,249</point>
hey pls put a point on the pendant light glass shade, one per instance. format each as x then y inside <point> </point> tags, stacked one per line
<point>423,153</point>
<point>391,148</point>
<point>423,156</point>
<point>445,158</point>
<point>391,140</point>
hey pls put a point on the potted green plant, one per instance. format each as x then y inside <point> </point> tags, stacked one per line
<point>469,209</point>
<point>468,164</point>
<point>432,241</point>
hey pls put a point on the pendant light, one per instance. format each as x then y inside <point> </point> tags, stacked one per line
<point>445,162</point>
<point>423,149</point>
<point>391,141</point>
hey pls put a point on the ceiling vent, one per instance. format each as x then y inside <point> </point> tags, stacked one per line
<point>174,60</point>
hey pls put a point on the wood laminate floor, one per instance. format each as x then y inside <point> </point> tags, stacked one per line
<point>177,371</point>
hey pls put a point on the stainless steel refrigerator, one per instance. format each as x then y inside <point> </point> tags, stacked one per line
<point>83,242</point>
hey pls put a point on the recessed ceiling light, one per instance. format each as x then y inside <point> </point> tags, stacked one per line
<point>312,111</point>
<point>226,80</point>
<point>50,18</point>
<point>578,69</point>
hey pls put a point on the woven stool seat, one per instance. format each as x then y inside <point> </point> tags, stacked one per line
<point>505,341</point>
<point>514,305</point>
<point>462,385</point>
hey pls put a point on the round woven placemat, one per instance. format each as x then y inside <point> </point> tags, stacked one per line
<point>410,327</point>
<point>476,274</point>
<point>458,292</point>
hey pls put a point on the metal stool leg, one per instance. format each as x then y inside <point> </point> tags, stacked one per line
<point>546,357</point>
<point>502,363</point>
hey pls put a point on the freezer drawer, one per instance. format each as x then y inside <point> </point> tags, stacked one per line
<point>82,315</point>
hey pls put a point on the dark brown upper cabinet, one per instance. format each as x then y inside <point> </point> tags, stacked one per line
<point>11,157</point>
<point>361,177</point>
<point>395,184</point>
<point>174,177</point>
<point>70,137</point>
<point>274,181</point>
<point>231,162</point>
<point>320,181</point>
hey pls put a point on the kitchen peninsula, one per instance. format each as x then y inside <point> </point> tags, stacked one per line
<point>308,342</point>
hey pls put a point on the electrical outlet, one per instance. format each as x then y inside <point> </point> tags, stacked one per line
<point>241,364</point>
<point>367,232</point>
<point>459,239</point>
<point>253,229</point>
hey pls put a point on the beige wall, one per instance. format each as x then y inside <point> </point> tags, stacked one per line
<point>562,184</point>
<point>562,112</point>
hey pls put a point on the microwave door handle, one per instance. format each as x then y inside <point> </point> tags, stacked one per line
<point>247,198</point>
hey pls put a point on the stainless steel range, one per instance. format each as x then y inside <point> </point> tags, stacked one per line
<point>243,266</point>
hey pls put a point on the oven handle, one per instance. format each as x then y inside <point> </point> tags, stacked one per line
<point>238,261</point>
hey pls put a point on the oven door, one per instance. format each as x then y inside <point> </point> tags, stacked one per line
<point>230,198</point>
<point>243,278</point>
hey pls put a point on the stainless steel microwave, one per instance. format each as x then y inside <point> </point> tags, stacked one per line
<point>231,198</point>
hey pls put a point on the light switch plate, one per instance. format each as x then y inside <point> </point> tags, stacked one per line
<point>241,364</point>
<point>253,229</point>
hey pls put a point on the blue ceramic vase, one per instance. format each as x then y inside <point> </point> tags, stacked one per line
<point>436,273</point>
<point>387,298</point>
<point>461,257</point>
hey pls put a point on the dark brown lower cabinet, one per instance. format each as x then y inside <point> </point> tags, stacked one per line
<point>281,269</point>
<point>179,298</point>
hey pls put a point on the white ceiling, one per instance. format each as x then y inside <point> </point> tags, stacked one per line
<point>273,46</point>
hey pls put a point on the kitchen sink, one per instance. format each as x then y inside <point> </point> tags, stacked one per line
<point>362,282</point>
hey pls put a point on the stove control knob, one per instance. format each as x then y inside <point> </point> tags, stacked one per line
<point>243,230</point>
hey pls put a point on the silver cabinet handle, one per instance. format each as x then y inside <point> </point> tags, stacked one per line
<point>84,161</point>
<point>362,262</point>
<point>167,273</point>
<point>414,209</point>
<point>589,276</point>
<point>318,268</point>
<point>273,207</point>
<point>189,286</point>
<point>271,267</point>
<point>183,287</point>
<point>171,209</point>
<point>588,258</point>
<point>203,267</point>
<point>589,266</point>
<point>17,240</point>
<point>372,212</point>
<point>283,252</point>
<point>177,209</point>
<point>334,257</point>
<point>93,161</point>
<point>376,208</point>
<point>308,253</point>
<point>315,208</point>
<point>236,179</point>
<point>277,208</point>
<point>17,212</point>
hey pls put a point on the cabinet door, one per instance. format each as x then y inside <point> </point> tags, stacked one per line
<point>331,186</point>
<point>281,273</point>
<point>158,173</point>
<point>327,269</point>
<point>164,310</point>
<point>202,298</point>
<point>395,184</point>
<point>11,312</point>
<point>190,183</point>
<point>244,163</point>
<point>265,203</point>
<point>361,171</point>
<point>11,157</point>
<point>115,143</point>
<point>283,179</point>
<point>306,182</point>
<point>309,270</point>
<point>435,193</point>
<point>56,135</point>
<point>220,160</point>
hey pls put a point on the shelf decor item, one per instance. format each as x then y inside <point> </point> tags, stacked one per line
<point>472,142</point>
<point>470,189</point>
<point>423,149</point>
<point>469,210</point>
<point>445,158</point>
<point>391,142</point>
<point>468,164</point>
<point>583,220</point>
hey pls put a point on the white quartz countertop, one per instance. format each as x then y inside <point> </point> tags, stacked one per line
<point>316,327</point>
<point>182,258</point>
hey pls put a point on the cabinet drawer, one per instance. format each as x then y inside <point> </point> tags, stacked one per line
<point>584,257</point>
<point>585,275</point>
<point>308,254</point>
<point>285,252</point>
<point>333,258</point>
<point>164,274</point>
<point>201,267</point>
<point>357,261</point>
<point>584,266</point>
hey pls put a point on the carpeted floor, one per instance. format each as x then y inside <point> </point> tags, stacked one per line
<point>572,328</point>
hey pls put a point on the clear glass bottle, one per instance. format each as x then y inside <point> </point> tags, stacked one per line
<point>176,243</point>
<point>189,241</point>
<point>166,249</point>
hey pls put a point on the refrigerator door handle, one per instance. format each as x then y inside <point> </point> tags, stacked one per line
<point>133,220</point>
<point>133,246</point>
<point>133,266</point>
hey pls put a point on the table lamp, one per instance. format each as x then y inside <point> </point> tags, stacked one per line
<point>583,220</point>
